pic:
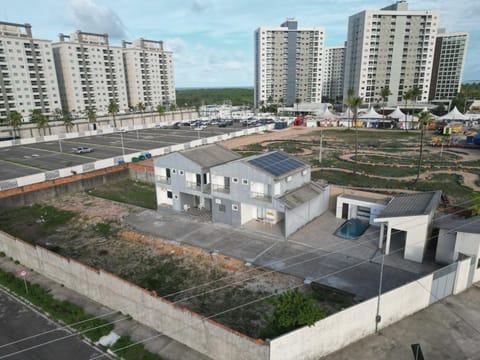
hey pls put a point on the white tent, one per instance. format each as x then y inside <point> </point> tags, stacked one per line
<point>371,114</point>
<point>327,114</point>
<point>397,114</point>
<point>454,115</point>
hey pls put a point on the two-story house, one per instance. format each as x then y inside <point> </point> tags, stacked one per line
<point>272,187</point>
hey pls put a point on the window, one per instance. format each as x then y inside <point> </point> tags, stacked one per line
<point>244,181</point>
<point>288,179</point>
<point>234,207</point>
<point>221,208</point>
<point>169,194</point>
<point>181,172</point>
<point>174,171</point>
<point>235,180</point>
<point>175,197</point>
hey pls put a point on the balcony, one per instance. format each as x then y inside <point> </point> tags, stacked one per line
<point>163,179</point>
<point>193,185</point>
<point>260,196</point>
<point>221,188</point>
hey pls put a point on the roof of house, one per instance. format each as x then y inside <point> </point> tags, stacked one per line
<point>411,204</point>
<point>276,163</point>
<point>302,194</point>
<point>458,224</point>
<point>364,198</point>
<point>210,155</point>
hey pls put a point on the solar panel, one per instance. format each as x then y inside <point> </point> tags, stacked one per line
<point>276,163</point>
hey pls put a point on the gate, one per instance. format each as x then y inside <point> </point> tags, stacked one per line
<point>443,282</point>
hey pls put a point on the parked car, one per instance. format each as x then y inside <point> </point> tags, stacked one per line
<point>199,128</point>
<point>82,150</point>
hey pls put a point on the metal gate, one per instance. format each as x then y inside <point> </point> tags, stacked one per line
<point>443,282</point>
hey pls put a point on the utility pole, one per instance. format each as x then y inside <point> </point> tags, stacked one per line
<point>321,147</point>
<point>378,318</point>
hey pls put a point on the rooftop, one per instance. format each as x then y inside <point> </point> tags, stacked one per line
<point>365,199</point>
<point>302,194</point>
<point>411,204</point>
<point>458,224</point>
<point>210,155</point>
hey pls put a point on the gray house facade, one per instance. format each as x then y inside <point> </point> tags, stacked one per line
<point>272,188</point>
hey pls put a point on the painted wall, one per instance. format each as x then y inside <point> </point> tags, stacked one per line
<point>445,253</point>
<point>181,324</point>
<point>375,208</point>
<point>345,327</point>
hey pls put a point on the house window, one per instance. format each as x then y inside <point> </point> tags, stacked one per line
<point>244,181</point>
<point>169,194</point>
<point>181,172</point>
<point>235,180</point>
<point>174,171</point>
<point>288,179</point>
<point>175,197</point>
<point>221,208</point>
<point>234,207</point>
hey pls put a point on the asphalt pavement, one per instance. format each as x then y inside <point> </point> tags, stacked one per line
<point>18,321</point>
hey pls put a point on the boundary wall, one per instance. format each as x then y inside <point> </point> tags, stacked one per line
<point>203,335</point>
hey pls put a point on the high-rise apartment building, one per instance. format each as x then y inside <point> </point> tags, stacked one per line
<point>90,72</point>
<point>392,47</point>
<point>149,71</point>
<point>448,62</point>
<point>27,72</point>
<point>333,65</point>
<point>288,64</point>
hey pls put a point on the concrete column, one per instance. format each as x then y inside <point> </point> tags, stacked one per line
<point>389,235</point>
<point>382,234</point>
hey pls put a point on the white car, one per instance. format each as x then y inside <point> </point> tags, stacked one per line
<point>200,128</point>
<point>82,150</point>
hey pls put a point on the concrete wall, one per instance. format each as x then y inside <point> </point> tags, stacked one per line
<point>336,190</point>
<point>181,324</point>
<point>445,253</point>
<point>345,327</point>
<point>375,208</point>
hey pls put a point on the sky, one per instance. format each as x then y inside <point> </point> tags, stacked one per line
<point>212,40</point>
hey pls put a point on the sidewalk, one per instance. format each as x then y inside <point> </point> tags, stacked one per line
<point>167,348</point>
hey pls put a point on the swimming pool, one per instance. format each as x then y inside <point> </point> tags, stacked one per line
<point>352,229</point>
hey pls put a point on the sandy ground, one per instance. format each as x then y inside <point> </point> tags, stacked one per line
<point>287,134</point>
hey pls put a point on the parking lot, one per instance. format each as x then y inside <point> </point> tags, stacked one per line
<point>18,161</point>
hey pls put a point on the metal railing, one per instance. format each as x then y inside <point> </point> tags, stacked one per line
<point>163,179</point>
<point>193,185</point>
<point>221,188</point>
<point>260,196</point>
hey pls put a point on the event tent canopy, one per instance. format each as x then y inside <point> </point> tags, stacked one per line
<point>454,115</point>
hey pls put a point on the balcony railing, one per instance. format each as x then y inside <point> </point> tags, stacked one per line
<point>260,196</point>
<point>193,185</point>
<point>221,188</point>
<point>162,179</point>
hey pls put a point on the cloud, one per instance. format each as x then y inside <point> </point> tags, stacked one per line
<point>89,16</point>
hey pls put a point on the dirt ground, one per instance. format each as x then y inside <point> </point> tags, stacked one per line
<point>287,134</point>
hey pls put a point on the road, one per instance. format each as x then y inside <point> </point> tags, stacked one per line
<point>17,321</point>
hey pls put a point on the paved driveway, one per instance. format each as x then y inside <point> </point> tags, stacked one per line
<point>312,253</point>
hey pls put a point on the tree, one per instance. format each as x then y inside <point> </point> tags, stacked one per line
<point>141,107</point>
<point>407,96</point>
<point>14,119</point>
<point>67,120</point>
<point>160,110</point>
<point>40,120</point>
<point>113,110</point>
<point>424,120</point>
<point>384,94</point>
<point>58,113</point>
<point>292,310</point>
<point>354,103</point>
<point>91,115</point>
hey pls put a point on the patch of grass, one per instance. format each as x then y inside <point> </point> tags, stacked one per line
<point>451,186</point>
<point>287,146</point>
<point>341,178</point>
<point>254,147</point>
<point>107,229</point>
<point>33,223</point>
<point>126,350</point>
<point>61,310</point>
<point>129,192</point>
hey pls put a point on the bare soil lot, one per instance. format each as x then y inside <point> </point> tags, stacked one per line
<point>90,230</point>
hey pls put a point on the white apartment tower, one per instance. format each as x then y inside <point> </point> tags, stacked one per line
<point>149,71</point>
<point>288,64</point>
<point>333,66</point>
<point>27,72</point>
<point>90,72</point>
<point>391,47</point>
<point>448,62</point>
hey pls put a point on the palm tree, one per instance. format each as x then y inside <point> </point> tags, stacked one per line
<point>424,120</point>
<point>160,110</point>
<point>354,103</point>
<point>91,115</point>
<point>113,110</point>
<point>14,119</point>
<point>407,96</point>
<point>415,93</point>
<point>67,121</point>
<point>41,120</point>
<point>58,113</point>
<point>384,94</point>
<point>297,101</point>
<point>141,107</point>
